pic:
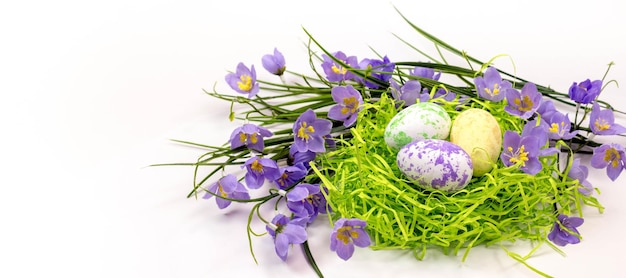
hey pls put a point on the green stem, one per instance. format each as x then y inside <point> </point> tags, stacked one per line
<point>310,259</point>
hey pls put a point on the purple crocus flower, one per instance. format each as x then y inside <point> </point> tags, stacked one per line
<point>491,86</point>
<point>560,126</point>
<point>522,151</point>
<point>309,132</point>
<point>612,157</point>
<point>580,172</point>
<point>275,64</point>
<point>335,72</point>
<point>537,129</point>
<point>443,93</point>
<point>306,201</point>
<point>379,69</point>
<point>226,187</point>
<point>296,157</point>
<point>425,73</point>
<point>524,103</point>
<point>585,92</point>
<point>243,80</point>
<point>258,170</point>
<point>348,104</point>
<point>546,108</point>
<point>564,231</point>
<point>602,121</point>
<point>346,234</point>
<point>285,232</point>
<point>249,135</point>
<point>409,93</point>
<point>290,175</point>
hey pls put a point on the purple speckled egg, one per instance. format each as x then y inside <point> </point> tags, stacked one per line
<point>436,164</point>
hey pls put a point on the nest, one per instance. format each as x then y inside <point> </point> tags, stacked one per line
<point>505,205</point>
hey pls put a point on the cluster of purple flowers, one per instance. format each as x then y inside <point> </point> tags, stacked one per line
<point>546,123</point>
<point>312,135</point>
<point>340,68</point>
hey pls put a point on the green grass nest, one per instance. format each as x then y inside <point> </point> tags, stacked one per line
<point>363,181</point>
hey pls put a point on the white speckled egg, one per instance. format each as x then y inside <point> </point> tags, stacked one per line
<point>435,164</point>
<point>479,134</point>
<point>424,120</point>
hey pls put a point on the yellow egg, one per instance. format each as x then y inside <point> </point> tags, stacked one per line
<point>479,134</point>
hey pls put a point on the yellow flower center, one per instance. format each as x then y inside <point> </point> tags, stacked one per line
<point>521,156</point>
<point>253,137</point>
<point>525,104</point>
<point>495,92</point>
<point>312,198</point>
<point>350,105</point>
<point>220,190</point>
<point>282,179</point>
<point>246,82</point>
<point>345,233</point>
<point>304,131</point>
<point>612,155</point>
<point>256,166</point>
<point>338,70</point>
<point>601,124</point>
<point>554,128</point>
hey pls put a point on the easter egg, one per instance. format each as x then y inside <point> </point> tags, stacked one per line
<point>435,164</point>
<point>479,134</point>
<point>424,120</point>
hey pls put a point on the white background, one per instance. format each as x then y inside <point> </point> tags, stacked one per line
<point>92,92</point>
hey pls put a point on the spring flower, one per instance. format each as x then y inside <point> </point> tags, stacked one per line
<point>227,187</point>
<point>249,135</point>
<point>309,132</point>
<point>560,126</point>
<point>409,93</point>
<point>346,234</point>
<point>610,156</point>
<point>378,69</point>
<point>296,157</point>
<point>585,92</point>
<point>443,93</point>
<point>258,170</point>
<point>524,103</point>
<point>537,129</point>
<point>306,201</point>
<point>243,80</point>
<point>564,231</point>
<point>275,64</point>
<point>602,122</point>
<point>348,105</point>
<point>336,72</point>
<point>546,108</point>
<point>580,172</point>
<point>491,86</point>
<point>290,175</point>
<point>285,232</point>
<point>522,151</point>
<point>425,73</point>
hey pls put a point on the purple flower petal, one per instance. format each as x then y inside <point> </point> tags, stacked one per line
<point>614,171</point>
<point>362,239</point>
<point>221,203</point>
<point>281,243</point>
<point>297,194</point>
<point>345,251</point>
<point>295,233</point>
